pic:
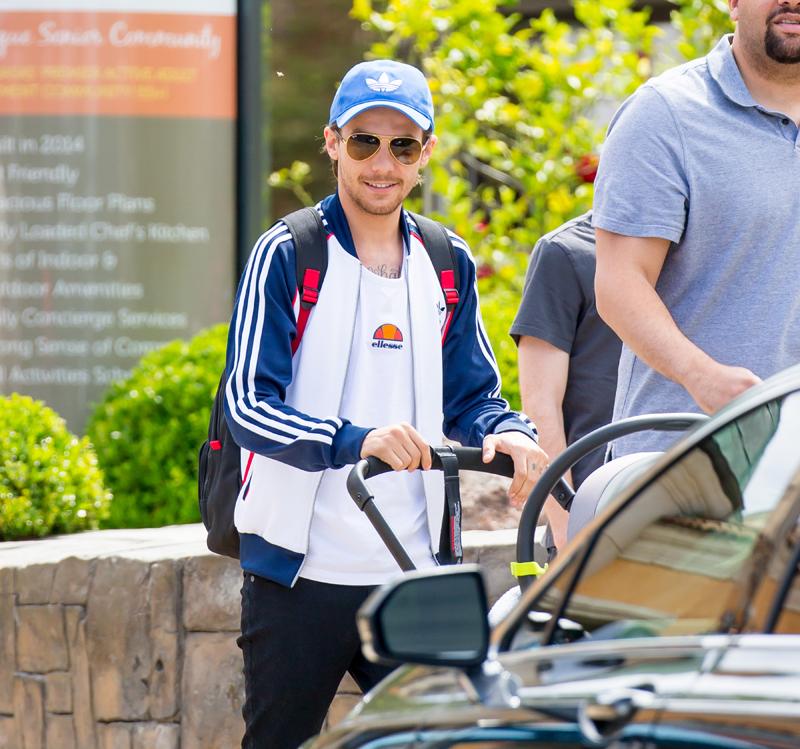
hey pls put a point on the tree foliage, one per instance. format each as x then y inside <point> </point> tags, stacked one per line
<point>700,23</point>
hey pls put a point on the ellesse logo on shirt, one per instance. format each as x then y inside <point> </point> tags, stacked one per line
<point>387,336</point>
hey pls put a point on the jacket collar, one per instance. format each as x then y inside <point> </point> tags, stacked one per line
<point>337,224</point>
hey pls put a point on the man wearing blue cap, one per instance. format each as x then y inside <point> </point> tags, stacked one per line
<point>384,368</point>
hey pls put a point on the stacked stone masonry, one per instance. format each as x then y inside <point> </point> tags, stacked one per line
<point>127,640</point>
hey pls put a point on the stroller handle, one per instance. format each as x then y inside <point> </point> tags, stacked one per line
<point>665,422</point>
<point>469,459</point>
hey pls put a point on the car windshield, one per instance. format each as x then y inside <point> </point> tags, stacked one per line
<point>683,555</point>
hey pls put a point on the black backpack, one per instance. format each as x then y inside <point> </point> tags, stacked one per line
<point>219,475</point>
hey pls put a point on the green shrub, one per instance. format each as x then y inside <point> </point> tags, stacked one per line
<point>700,23</point>
<point>149,428</point>
<point>498,314</point>
<point>49,479</point>
<point>521,104</point>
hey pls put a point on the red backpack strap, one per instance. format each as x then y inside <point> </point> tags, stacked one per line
<point>311,262</point>
<point>443,256</point>
<point>308,298</point>
<point>448,282</point>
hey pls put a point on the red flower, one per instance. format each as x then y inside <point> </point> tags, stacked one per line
<point>586,168</point>
<point>485,270</point>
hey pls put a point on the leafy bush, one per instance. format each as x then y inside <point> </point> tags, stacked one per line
<point>700,23</point>
<point>49,479</point>
<point>149,428</point>
<point>522,104</point>
<point>498,309</point>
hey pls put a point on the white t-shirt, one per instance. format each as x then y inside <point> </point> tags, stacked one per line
<point>344,548</point>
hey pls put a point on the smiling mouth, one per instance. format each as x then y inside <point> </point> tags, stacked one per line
<point>380,185</point>
<point>785,21</point>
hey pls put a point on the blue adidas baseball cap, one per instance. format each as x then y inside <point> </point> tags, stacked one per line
<point>383,83</point>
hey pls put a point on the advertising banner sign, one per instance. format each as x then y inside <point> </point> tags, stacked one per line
<point>117,187</point>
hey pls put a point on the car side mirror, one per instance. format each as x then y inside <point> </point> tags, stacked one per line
<point>433,617</point>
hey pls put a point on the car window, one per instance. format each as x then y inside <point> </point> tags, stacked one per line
<point>682,553</point>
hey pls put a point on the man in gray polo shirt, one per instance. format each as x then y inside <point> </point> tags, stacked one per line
<point>697,215</point>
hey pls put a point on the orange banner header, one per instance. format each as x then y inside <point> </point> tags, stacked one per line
<point>135,64</point>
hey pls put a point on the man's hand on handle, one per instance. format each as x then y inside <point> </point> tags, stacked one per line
<point>399,445</point>
<point>403,448</point>
<point>530,461</point>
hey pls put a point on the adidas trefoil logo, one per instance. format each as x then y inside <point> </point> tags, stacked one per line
<point>384,84</point>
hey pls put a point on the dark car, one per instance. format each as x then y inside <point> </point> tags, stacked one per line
<point>671,620</point>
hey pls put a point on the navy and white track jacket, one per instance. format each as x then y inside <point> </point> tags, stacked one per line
<point>283,410</point>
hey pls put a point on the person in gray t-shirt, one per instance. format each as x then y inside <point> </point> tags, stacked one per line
<point>697,214</point>
<point>568,356</point>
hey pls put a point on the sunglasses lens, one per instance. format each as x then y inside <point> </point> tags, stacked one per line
<point>406,150</point>
<point>361,146</point>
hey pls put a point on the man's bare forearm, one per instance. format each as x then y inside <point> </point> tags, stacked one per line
<point>543,371</point>
<point>640,319</point>
<point>550,423</point>
<point>627,271</point>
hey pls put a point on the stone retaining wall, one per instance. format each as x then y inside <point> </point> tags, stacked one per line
<point>126,639</point>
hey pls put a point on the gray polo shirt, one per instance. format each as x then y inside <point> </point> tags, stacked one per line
<point>691,158</point>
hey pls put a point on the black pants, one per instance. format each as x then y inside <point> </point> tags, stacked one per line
<point>297,644</point>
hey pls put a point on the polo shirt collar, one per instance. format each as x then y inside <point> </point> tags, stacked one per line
<point>337,223</point>
<point>724,70</point>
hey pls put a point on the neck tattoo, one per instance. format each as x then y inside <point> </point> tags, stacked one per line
<point>385,271</point>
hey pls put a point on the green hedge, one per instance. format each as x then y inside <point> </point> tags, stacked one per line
<point>49,479</point>
<point>149,428</point>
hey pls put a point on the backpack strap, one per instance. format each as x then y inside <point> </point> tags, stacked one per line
<point>443,256</point>
<point>311,261</point>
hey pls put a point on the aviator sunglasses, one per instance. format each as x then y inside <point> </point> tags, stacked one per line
<point>361,146</point>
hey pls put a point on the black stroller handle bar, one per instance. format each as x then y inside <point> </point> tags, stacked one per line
<point>468,458</point>
<point>552,477</point>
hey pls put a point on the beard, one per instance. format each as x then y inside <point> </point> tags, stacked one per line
<point>361,199</point>
<point>372,208</point>
<point>779,49</point>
